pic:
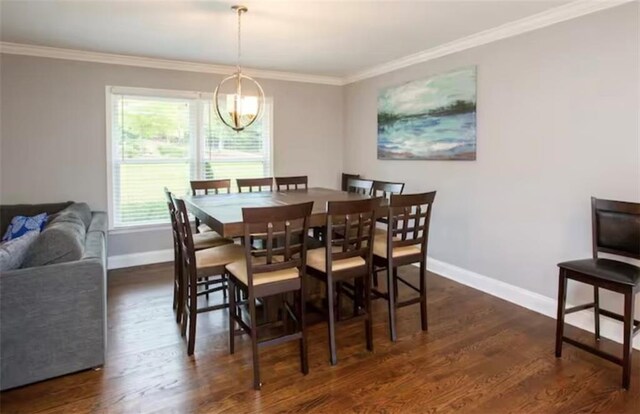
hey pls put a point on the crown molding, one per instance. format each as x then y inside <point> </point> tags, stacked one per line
<point>537,21</point>
<point>146,62</point>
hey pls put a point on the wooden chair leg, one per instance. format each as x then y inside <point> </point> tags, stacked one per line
<point>333,357</point>
<point>197,225</point>
<point>375,279</point>
<point>232,316</point>
<point>368,324</point>
<point>285,314</point>
<point>627,352</point>
<point>254,344</point>
<point>304,354</point>
<point>395,283</point>
<point>185,302</point>
<point>596,311</point>
<point>178,291</point>
<point>562,299</point>
<point>392,303</point>
<point>193,317</point>
<point>423,296</point>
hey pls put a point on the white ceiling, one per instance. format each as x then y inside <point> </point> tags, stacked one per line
<point>333,38</point>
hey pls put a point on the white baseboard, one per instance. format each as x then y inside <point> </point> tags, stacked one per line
<point>609,328</point>
<point>139,259</point>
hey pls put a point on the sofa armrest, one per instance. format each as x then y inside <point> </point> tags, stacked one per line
<point>52,320</point>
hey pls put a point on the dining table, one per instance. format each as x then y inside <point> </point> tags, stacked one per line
<point>223,212</point>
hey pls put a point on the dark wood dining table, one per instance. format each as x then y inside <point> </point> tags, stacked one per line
<point>223,212</point>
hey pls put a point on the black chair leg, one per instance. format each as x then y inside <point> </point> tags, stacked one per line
<point>562,298</point>
<point>627,352</point>
<point>254,344</point>
<point>304,354</point>
<point>392,303</point>
<point>423,296</point>
<point>596,311</point>
<point>232,316</point>
<point>333,357</point>
<point>368,324</point>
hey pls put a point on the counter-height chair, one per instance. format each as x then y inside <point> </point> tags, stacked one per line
<point>405,242</point>
<point>616,232</point>
<point>292,183</point>
<point>202,268</point>
<point>345,179</point>
<point>358,186</point>
<point>346,259</point>
<point>271,271</point>
<point>201,241</point>
<point>199,187</point>
<point>250,185</point>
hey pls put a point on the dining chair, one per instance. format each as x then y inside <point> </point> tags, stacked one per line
<point>405,242</point>
<point>202,268</point>
<point>345,259</point>
<point>385,189</point>
<point>291,183</point>
<point>269,271</point>
<point>207,187</point>
<point>345,179</point>
<point>615,230</point>
<point>249,184</point>
<point>358,186</point>
<point>201,241</point>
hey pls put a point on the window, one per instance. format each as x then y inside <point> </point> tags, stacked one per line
<point>167,138</point>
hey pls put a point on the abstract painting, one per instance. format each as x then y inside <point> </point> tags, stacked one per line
<point>429,119</point>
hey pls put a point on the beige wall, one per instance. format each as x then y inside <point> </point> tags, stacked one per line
<point>53,143</point>
<point>557,123</point>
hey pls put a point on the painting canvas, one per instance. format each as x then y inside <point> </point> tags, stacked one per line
<point>429,119</point>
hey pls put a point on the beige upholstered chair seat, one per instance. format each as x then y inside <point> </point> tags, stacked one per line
<point>316,258</point>
<point>239,270</point>
<point>209,259</point>
<point>209,239</point>
<point>380,247</point>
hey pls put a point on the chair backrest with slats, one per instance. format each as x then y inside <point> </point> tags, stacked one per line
<point>210,186</point>
<point>350,227</point>
<point>174,224</point>
<point>615,227</point>
<point>409,217</point>
<point>292,183</point>
<point>357,186</point>
<point>345,180</point>
<point>257,184</point>
<point>385,189</point>
<point>185,236</point>
<point>281,236</point>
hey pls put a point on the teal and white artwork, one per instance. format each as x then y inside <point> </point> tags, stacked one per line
<point>429,119</point>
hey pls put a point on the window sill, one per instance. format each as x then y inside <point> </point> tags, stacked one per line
<point>140,228</point>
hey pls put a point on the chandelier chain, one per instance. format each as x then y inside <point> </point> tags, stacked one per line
<point>239,38</point>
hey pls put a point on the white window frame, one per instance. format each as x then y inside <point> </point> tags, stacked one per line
<point>197,146</point>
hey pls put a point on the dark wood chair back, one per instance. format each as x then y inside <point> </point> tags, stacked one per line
<point>350,227</point>
<point>259,184</point>
<point>172,216</point>
<point>385,189</point>
<point>292,183</point>
<point>358,186</point>
<point>346,178</point>
<point>282,232</point>
<point>409,217</point>
<point>185,236</point>
<point>210,186</point>
<point>615,227</point>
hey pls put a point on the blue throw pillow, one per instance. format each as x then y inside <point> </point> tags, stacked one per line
<point>21,225</point>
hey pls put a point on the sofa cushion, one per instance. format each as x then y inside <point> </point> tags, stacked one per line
<point>13,252</point>
<point>82,210</point>
<point>61,241</point>
<point>21,225</point>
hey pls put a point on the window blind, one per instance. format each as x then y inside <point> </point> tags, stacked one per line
<point>164,141</point>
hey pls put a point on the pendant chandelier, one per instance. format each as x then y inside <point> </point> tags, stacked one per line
<point>235,110</point>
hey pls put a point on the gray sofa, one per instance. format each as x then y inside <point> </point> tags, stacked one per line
<point>53,317</point>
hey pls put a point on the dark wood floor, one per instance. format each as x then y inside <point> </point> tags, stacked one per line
<point>481,355</point>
